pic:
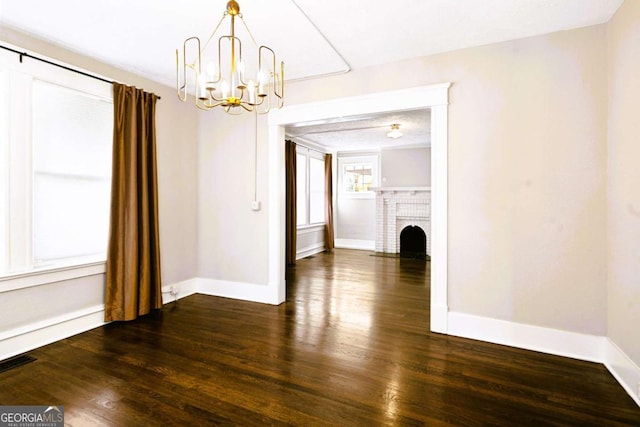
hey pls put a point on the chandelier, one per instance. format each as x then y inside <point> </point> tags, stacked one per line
<point>228,79</point>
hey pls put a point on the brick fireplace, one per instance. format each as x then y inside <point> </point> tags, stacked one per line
<point>397,208</point>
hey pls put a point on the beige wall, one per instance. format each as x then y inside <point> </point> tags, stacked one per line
<point>623,203</point>
<point>355,219</point>
<point>527,125</point>
<point>405,167</point>
<point>232,237</point>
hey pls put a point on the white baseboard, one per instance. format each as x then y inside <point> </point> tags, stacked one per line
<point>26,338</point>
<point>38,334</point>
<point>546,340</point>
<point>552,341</point>
<point>183,288</point>
<point>439,319</point>
<point>623,369</point>
<point>591,348</point>
<point>310,250</point>
<point>236,290</point>
<point>365,245</point>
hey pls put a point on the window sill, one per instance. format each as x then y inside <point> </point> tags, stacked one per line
<point>28,279</point>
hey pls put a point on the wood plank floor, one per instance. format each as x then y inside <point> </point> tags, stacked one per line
<point>350,347</point>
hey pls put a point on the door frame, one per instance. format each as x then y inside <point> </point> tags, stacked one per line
<point>433,97</point>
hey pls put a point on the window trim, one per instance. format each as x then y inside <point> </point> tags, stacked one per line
<point>343,160</point>
<point>16,221</point>
<point>28,279</point>
<point>5,89</point>
<point>323,159</point>
<point>309,153</point>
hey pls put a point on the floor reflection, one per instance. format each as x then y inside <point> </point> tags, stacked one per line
<point>363,317</point>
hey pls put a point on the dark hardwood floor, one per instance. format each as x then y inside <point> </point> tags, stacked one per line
<point>350,347</point>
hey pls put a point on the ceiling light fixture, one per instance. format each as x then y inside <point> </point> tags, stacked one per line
<point>224,82</point>
<point>395,131</point>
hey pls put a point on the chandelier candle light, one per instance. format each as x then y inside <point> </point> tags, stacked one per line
<point>223,83</point>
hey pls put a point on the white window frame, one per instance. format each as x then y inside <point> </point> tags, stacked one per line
<point>309,153</point>
<point>302,188</point>
<point>349,159</point>
<point>4,165</point>
<point>16,177</point>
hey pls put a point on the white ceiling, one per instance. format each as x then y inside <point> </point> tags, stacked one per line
<point>357,133</point>
<point>312,37</point>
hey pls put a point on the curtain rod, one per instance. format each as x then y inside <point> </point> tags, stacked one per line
<point>64,67</point>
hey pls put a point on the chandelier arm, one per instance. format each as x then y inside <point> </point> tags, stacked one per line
<point>250,106</point>
<point>249,109</point>
<point>233,45</point>
<point>240,74</point>
<point>253,104</point>
<point>208,107</point>
<point>275,79</point>
<point>273,55</point>
<point>222,100</point>
<point>279,83</point>
<point>282,84</point>
<point>268,76</point>
<point>203,108</point>
<point>282,77</point>
<point>217,99</point>
<point>182,89</point>
<point>259,102</point>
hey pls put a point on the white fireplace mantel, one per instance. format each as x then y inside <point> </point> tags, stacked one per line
<point>381,190</point>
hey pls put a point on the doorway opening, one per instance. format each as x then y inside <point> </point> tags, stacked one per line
<point>433,97</point>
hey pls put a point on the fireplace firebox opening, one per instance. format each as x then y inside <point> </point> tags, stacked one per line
<point>413,242</point>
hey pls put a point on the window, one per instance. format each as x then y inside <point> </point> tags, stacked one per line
<point>55,163</point>
<point>301,189</point>
<point>316,190</point>
<point>357,175</point>
<point>4,169</point>
<point>310,187</point>
<point>71,173</point>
